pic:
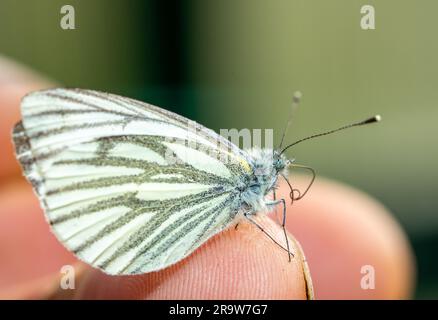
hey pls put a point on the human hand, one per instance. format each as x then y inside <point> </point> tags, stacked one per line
<point>332,222</point>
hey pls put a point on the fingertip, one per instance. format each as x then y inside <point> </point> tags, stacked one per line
<point>236,264</point>
<point>15,73</point>
<point>344,230</point>
<point>28,250</point>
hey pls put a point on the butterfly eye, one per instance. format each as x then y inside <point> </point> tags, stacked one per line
<point>279,164</point>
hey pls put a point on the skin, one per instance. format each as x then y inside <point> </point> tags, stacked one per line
<point>339,228</point>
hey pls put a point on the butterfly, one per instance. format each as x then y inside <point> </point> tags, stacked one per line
<point>131,188</point>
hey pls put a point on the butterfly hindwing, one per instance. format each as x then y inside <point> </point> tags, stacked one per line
<point>124,184</point>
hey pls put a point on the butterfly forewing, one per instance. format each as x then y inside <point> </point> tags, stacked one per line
<point>126,186</point>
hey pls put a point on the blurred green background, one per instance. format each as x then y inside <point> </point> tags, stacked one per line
<point>235,64</point>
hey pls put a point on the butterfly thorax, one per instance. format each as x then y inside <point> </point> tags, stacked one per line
<point>265,165</point>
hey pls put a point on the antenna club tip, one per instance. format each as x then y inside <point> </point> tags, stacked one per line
<point>297,96</point>
<point>374,119</point>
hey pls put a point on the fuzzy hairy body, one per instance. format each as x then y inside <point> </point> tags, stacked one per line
<point>266,166</point>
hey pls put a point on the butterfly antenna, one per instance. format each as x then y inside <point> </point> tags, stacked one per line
<point>374,119</point>
<point>295,103</point>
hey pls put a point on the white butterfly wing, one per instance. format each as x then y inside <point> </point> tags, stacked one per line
<point>115,186</point>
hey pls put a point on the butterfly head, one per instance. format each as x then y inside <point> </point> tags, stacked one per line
<point>280,162</point>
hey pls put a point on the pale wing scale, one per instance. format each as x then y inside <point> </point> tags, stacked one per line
<point>99,165</point>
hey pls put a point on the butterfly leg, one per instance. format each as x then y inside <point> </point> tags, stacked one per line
<point>283,223</point>
<point>248,215</point>
<point>274,193</point>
